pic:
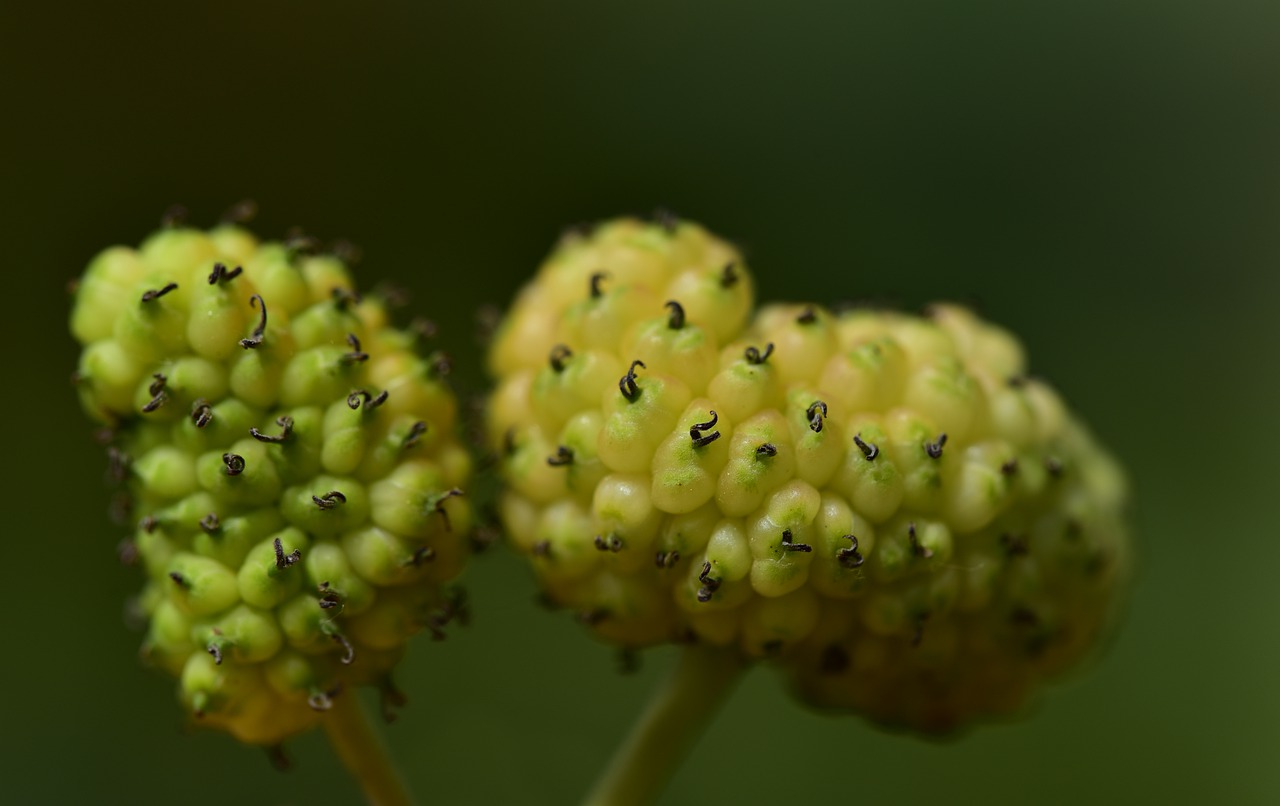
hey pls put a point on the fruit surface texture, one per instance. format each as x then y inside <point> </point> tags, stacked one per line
<point>288,458</point>
<point>886,506</point>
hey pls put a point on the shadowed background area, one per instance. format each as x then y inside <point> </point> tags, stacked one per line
<point>1101,177</point>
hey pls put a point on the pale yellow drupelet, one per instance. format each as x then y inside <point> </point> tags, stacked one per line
<point>885,504</point>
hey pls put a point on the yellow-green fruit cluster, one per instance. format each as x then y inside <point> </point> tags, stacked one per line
<point>292,463</point>
<point>884,504</point>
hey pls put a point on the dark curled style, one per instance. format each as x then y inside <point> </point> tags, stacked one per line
<point>594,284</point>
<point>729,275</point>
<point>255,339</point>
<point>221,275</point>
<point>283,560</point>
<point>710,584</point>
<point>676,320</point>
<point>201,413</point>
<point>361,397</point>
<point>356,355</point>
<point>869,449</point>
<point>157,293</point>
<point>158,394</point>
<point>917,548</point>
<point>756,357</point>
<point>559,355</point>
<point>701,440</point>
<point>439,509</point>
<point>934,449</point>
<point>286,428</point>
<point>608,543</point>
<point>415,433</point>
<point>816,412</point>
<point>563,456</point>
<point>849,557</point>
<point>788,545</point>
<point>329,500</point>
<point>627,385</point>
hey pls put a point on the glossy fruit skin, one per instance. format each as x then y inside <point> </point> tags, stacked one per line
<point>292,469</point>
<point>884,505</point>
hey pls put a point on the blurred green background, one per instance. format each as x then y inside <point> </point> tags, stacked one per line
<point>1101,176</point>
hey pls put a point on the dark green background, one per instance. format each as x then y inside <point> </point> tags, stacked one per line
<point>1102,176</point>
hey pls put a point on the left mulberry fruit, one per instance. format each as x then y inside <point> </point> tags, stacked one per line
<point>290,461</point>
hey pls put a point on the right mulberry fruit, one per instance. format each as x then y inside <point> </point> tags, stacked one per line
<point>886,506</point>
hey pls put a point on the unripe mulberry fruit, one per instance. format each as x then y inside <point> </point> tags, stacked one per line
<point>292,467</point>
<point>884,505</point>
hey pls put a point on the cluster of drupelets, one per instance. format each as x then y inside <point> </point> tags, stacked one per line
<point>885,505</point>
<point>292,467</point>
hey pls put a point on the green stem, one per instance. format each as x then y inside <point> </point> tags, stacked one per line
<point>674,719</point>
<point>364,753</point>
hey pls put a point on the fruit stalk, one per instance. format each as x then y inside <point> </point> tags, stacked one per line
<point>364,753</point>
<point>677,715</point>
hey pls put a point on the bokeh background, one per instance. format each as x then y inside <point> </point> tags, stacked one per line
<point>1102,176</point>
